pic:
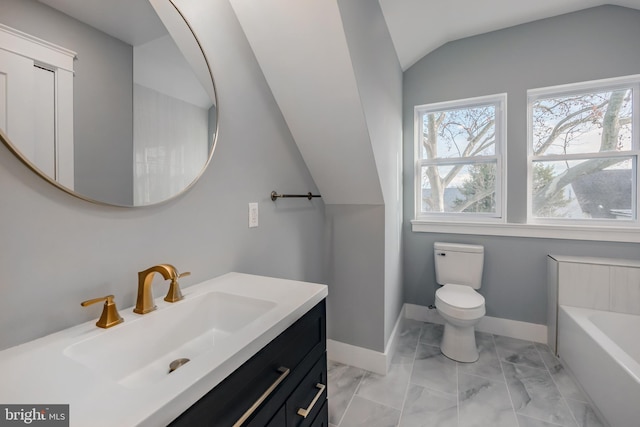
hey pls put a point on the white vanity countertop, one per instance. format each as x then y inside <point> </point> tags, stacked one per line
<point>40,372</point>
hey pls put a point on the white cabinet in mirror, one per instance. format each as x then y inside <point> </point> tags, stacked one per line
<point>112,102</point>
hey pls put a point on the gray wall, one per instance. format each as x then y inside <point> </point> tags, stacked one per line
<point>514,280</point>
<point>58,250</point>
<point>102,98</point>
<point>379,79</point>
<point>591,44</point>
<point>354,238</point>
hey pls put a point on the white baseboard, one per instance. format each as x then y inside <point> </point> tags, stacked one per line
<point>392,344</point>
<point>379,363</point>
<point>422,314</point>
<point>493,325</point>
<point>365,358</point>
<point>359,357</point>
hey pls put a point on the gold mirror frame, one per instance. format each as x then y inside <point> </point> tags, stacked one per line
<point>7,142</point>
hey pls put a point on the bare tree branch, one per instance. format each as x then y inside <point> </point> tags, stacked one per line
<point>476,198</point>
<point>608,141</point>
<point>557,184</point>
<point>564,125</point>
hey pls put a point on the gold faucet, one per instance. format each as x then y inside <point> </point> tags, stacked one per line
<point>144,303</point>
<point>110,316</point>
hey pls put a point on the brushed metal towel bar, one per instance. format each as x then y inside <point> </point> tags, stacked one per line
<point>275,195</point>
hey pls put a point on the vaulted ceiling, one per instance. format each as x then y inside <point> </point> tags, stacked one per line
<point>419,26</point>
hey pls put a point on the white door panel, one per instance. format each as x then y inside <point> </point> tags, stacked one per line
<point>44,121</point>
<point>36,103</point>
<point>19,100</point>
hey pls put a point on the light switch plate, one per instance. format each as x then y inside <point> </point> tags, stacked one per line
<point>253,215</point>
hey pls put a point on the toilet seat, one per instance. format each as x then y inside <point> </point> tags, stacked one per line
<point>460,301</point>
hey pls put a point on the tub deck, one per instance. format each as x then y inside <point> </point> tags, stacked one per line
<point>601,349</point>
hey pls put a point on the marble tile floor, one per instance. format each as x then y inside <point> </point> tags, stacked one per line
<point>515,383</point>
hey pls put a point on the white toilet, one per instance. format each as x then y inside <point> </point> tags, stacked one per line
<point>459,269</point>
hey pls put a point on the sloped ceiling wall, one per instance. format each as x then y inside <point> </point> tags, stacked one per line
<point>419,27</point>
<point>303,53</point>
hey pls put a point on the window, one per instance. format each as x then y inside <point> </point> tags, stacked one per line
<point>459,152</point>
<point>583,153</point>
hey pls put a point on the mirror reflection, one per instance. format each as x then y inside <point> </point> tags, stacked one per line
<point>112,101</point>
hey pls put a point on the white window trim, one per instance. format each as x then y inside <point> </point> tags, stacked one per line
<point>540,231</point>
<point>500,158</point>
<point>598,225</point>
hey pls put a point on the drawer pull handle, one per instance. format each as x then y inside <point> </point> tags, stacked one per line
<point>305,412</point>
<point>283,374</point>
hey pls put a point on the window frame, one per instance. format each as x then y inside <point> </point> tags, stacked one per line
<point>499,101</point>
<point>592,86</point>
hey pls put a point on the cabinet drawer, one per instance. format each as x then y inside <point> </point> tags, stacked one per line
<point>322,420</point>
<point>296,349</point>
<point>306,401</point>
<point>279,419</point>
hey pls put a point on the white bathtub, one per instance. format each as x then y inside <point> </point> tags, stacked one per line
<point>602,350</point>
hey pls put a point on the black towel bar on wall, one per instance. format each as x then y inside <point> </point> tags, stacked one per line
<point>275,195</point>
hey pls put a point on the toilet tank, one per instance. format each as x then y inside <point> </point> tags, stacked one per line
<point>458,264</point>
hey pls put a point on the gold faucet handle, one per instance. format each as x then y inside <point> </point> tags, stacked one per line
<point>110,316</point>
<point>174,293</point>
<point>108,299</point>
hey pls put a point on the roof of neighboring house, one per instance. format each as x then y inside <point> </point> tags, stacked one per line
<point>605,193</point>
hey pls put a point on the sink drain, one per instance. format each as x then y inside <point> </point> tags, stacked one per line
<point>176,364</point>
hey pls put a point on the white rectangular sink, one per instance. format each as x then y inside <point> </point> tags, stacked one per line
<point>187,329</point>
<point>219,325</point>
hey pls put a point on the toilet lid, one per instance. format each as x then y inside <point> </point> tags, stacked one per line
<point>460,296</point>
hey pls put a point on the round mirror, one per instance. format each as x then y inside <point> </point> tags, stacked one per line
<point>111,101</point>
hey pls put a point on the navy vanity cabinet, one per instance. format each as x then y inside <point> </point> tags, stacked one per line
<point>304,397</point>
<point>289,371</point>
